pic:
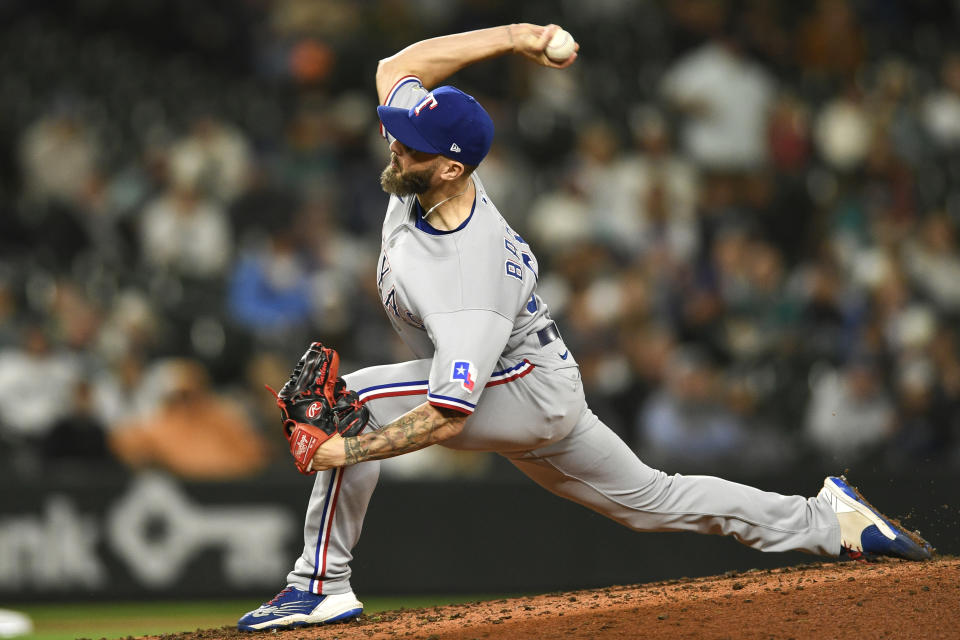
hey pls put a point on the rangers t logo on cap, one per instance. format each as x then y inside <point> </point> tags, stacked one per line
<point>446,121</point>
<point>429,100</point>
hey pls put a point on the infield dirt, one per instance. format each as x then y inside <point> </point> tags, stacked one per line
<point>891,599</point>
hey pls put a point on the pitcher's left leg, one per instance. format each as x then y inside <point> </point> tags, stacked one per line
<point>332,528</point>
<point>318,589</point>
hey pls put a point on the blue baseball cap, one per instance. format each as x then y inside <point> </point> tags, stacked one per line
<point>446,121</point>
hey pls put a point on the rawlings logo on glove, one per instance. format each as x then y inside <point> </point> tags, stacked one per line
<point>315,404</point>
<point>314,409</point>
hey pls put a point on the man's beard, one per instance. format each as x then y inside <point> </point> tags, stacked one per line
<point>405,183</point>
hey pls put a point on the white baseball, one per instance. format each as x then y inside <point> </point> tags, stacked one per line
<point>560,46</point>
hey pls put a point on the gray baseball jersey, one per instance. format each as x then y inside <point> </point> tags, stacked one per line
<point>464,298</point>
<point>465,303</point>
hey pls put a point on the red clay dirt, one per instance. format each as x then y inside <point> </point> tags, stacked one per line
<point>891,599</point>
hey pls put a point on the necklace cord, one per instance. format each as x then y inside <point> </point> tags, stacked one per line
<point>430,210</point>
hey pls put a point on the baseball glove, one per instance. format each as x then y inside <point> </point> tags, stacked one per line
<point>315,404</point>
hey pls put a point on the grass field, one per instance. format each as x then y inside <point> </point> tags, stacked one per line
<point>119,620</point>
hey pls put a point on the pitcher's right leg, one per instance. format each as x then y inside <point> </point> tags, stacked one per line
<point>594,467</point>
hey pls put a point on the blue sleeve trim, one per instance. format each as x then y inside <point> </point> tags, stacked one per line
<point>451,399</point>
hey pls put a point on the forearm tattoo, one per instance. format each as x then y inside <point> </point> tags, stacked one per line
<point>414,430</point>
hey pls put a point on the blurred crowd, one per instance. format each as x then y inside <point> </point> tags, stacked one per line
<point>746,212</point>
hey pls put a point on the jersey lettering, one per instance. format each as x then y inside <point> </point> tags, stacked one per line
<point>390,304</point>
<point>427,100</point>
<point>532,305</point>
<point>528,260</point>
<point>384,270</point>
<point>514,269</point>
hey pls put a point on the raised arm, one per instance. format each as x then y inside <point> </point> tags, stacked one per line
<point>436,59</point>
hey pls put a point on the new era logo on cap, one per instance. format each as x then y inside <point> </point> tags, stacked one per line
<point>446,121</point>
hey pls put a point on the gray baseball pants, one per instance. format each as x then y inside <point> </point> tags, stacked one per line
<point>542,424</point>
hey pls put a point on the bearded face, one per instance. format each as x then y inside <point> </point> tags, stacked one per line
<point>404,183</point>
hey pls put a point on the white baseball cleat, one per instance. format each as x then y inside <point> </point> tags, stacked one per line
<point>293,607</point>
<point>865,532</point>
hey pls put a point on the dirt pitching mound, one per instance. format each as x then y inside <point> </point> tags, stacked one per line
<point>890,599</point>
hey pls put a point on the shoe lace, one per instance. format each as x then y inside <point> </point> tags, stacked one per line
<point>279,595</point>
<point>852,553</point>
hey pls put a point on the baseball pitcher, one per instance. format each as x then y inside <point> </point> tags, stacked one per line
<point>492,371</point>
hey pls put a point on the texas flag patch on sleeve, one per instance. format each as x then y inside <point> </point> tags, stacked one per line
<point>464,371</point>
